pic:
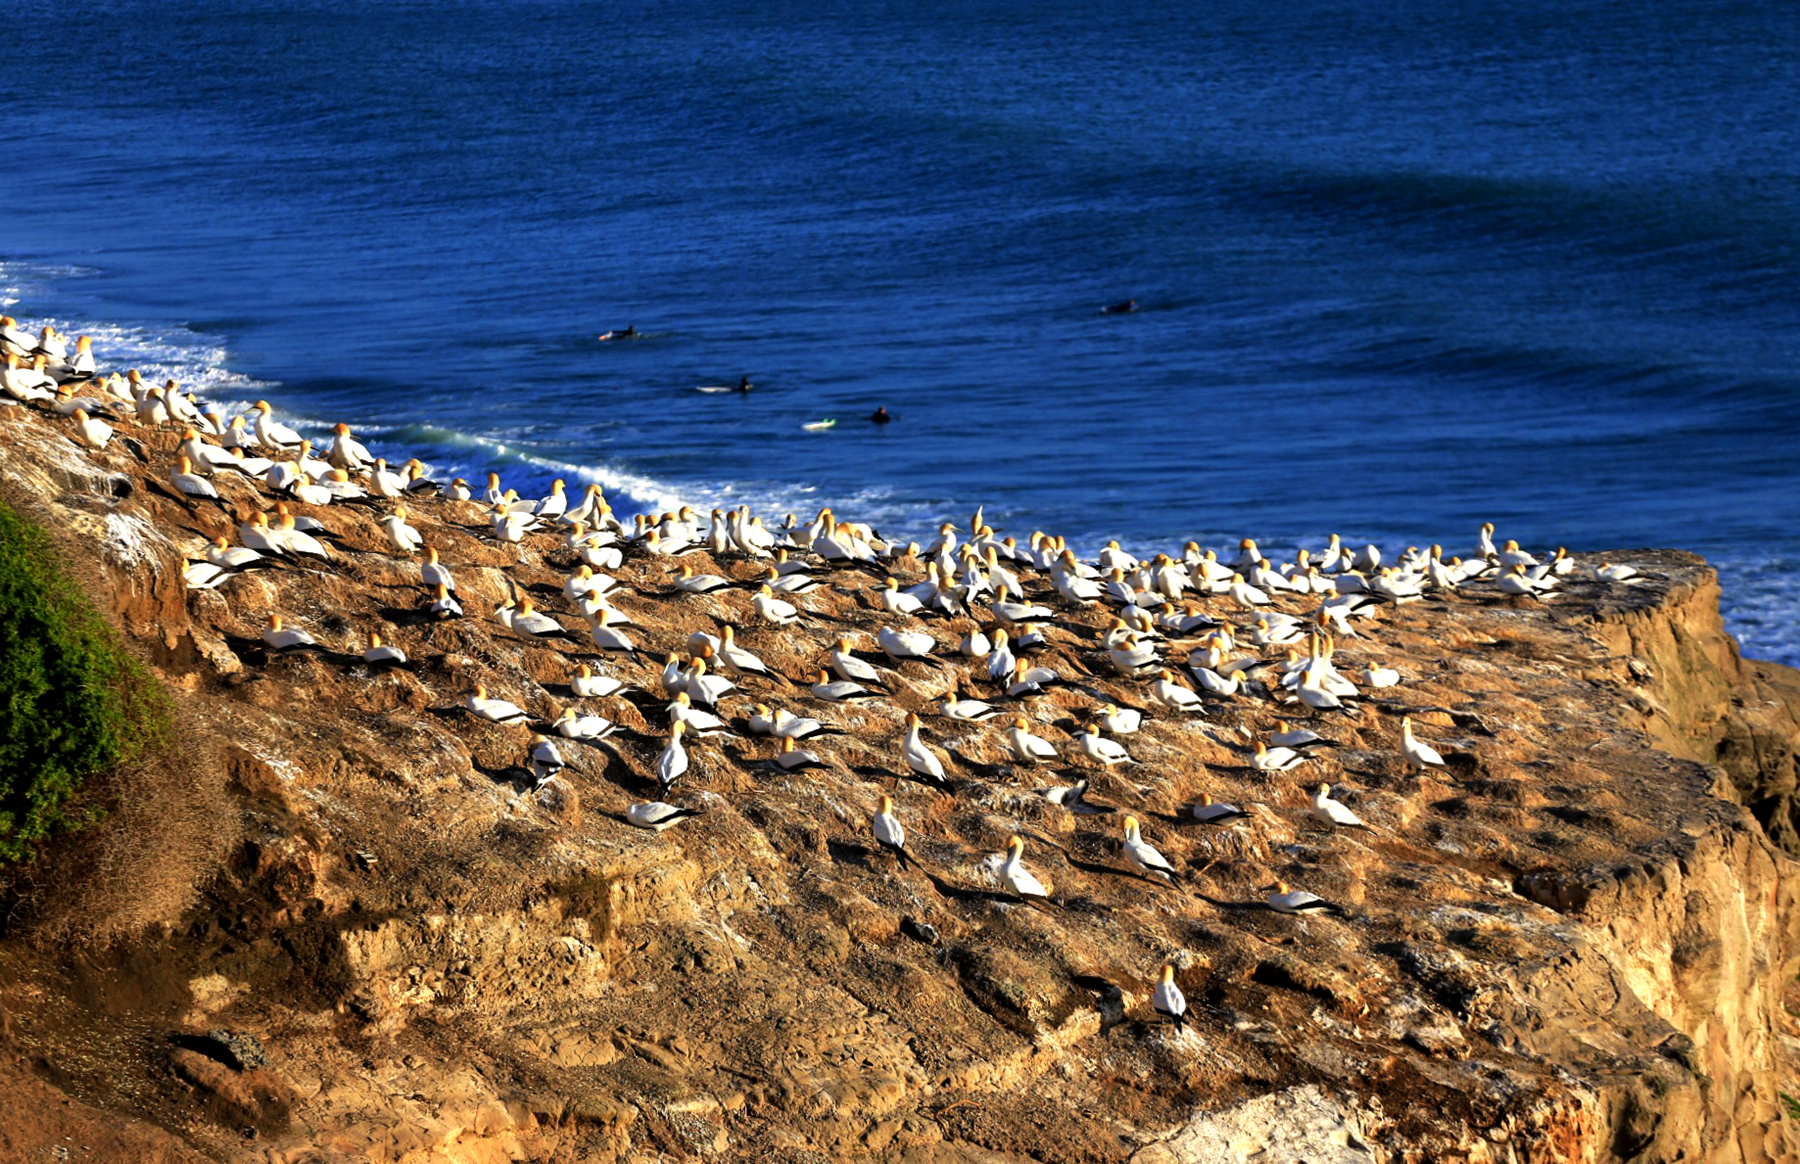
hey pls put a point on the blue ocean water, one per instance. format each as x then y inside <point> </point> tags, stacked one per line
<point>1402,267</point>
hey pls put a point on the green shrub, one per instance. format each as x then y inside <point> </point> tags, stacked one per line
<point>73,701</point>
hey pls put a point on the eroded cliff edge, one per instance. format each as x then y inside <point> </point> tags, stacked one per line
<point>1574,944</point>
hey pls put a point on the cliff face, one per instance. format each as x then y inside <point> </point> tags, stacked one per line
<point>1697,698</point>
<point>1572,944</point>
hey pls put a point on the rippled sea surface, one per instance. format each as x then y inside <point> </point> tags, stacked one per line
<point>1401,268</point>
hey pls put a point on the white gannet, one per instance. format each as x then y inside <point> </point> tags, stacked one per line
<point>271,433</point>
<point>967,710</point>
<point>1132,656</point>
<point>1025,747</point>
<point>974,644</point>
<point>206,458</point>
<point>181,409</point>
<point>310,493</point>
<point>404,538</point>
<point>1220,813</point>
<point>584,582</point>
<point>1000,659</point>
<point>1113,558</point>
<point>1173,695</point>
<point>1376,676</point>
<point>1281,899</point>
<point>192,484</point>
<point>849,667</point>
<point>494,710</point>
<point>444,604</point>
<point>346,452</point>
<point>1120,721</point>
<point>507,526</point>
<point>1269,759</point>
<point>434,573</point>
<point>1028,680</point>
<point>774,609</point>
<point>1511,555</point>
<point>546,759</point>
<point>793,758</point>
<point>919,758</point>
<point>701,724</point>
<point>733,659</point>
<point>840,690</point>
<point>204,575</point>
<point>897,601</point>
<point>1419,755</point>
<point>573,726</point>
<point>674,674</point>
<point>797,727</point>
<point>256,534</point>
<point>1022,612</point>
<point>1333,813</point>
<point>381,654</point>
<point>1142,855</point>
<point>1101,750</point>
<point>673,763</point>
<point>889,833</point>
<point>384,484</point>
<point>587,685</point>
<point>1074,798</point>
<point>705,688</point>
<point>26,385</point>
<point>607,638</point>
<point>1019,879</point>
<point>223,554</point>
<point>1514,581</point>
<point>1288,736</point>
<point>903,645</point>
<point>554,505</point>
<point>91,432</point>
<point>1246,595</point>
<point>528,621</point>
<point>689,582</point>
<point>1281,634</point>
<point>657,814</point>
<point>795,581</point>
<point>1607,572</point>
<point>287,640</point>
<point>1166,999</point>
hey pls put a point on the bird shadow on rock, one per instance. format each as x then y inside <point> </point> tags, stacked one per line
<point>407,616</point>
<point>1094,867</point>
<point>520,779</point>
<point>849,853</point>
<point>969,893</point>
<point>977,768</point>
<point>1236,906</point>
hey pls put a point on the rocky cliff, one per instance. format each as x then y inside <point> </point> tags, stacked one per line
<point>1573,942</point>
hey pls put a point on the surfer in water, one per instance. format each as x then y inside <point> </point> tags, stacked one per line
<point>630,332</point>
<point>744,384</point>
<point>1125,308</point>
<point>880,416</point>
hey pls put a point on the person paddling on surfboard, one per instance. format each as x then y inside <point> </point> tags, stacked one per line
<point>630,332</point>
<point>1125,308</point>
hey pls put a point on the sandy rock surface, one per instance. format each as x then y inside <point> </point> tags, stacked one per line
<point>1573,942</point>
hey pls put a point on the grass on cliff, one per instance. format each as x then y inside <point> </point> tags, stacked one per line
<point>74,702</point>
